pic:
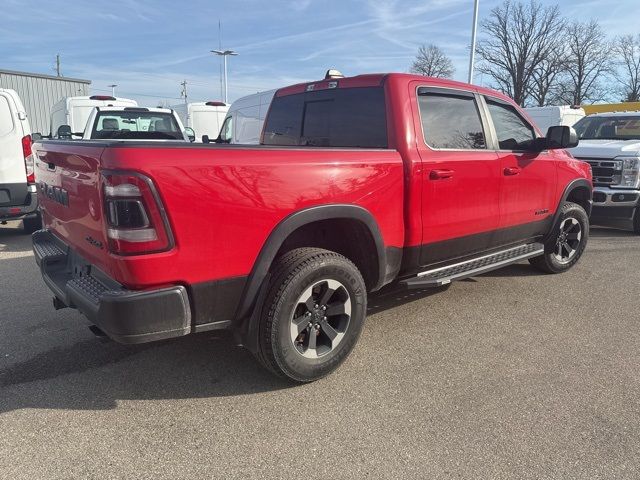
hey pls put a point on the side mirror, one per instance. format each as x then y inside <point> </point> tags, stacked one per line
<point>64,131</point>
<point>36,137</point>
<point>190,134</point>
<point>561,136</point>
<point>205,139</point>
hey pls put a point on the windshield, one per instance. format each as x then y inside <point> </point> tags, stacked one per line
<point>138,125</point>
<point>625,127</point>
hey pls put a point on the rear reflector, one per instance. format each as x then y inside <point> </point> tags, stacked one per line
<point>140,235</point>
<point>136,222</point>
<point>28,158</point>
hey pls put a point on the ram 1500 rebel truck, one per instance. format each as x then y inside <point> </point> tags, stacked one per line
<point>358,182</point>
<point>610,143</point>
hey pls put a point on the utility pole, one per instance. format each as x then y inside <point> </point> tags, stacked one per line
<point>113,89</point>
<point>225,54</point>
<point>474,29</point>
<point>58,65</point>
<point>184,90</point>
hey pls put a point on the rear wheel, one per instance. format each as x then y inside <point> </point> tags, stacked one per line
<point>312,315</point>
<point>31,224</point>
<point>567,242</point>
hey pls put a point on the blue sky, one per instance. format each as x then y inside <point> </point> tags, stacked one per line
<point>148,47</point>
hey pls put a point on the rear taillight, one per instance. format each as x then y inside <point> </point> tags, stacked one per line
<point>28,158</point>
<point>136,222</point>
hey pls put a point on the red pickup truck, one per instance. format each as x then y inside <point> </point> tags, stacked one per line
<point>358,182</point>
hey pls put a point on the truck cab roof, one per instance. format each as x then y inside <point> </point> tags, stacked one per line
<point>377,79</point>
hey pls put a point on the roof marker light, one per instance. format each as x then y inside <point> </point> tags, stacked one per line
<point>333,73</point>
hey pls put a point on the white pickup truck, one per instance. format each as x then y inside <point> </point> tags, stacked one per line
<point>134,123</point>
<point>610,143</point>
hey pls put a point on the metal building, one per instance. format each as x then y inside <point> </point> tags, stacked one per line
<point>40,92</point>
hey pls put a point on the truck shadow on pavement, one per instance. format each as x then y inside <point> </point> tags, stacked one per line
<point>42,365</point>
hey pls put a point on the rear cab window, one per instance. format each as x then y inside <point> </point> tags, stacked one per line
<point>132,124</point>
<point>347,117</point>
<point>450,119</point>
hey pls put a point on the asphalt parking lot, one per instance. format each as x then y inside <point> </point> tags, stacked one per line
<point>510,375</point>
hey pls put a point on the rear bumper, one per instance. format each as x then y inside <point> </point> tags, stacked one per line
<point>126,316</point>
<point>30,206</point>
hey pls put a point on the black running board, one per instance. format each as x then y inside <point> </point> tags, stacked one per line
<point>475,266</point>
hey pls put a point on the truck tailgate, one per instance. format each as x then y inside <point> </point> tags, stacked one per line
<point>68,181</point>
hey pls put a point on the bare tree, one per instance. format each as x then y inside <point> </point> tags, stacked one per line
<point>518,38</point>
<point>431,61</point>
<point>627,48</point>
<point>589,62</point>
<point>545,85</point>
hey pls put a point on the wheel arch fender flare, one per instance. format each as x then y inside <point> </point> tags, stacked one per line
<point>573,185</point>
<point>291,223</point>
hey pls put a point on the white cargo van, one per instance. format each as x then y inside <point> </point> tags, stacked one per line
<point>205,118</point>
<point>545,117</point>
<point>75,111</point>
<point>17,183</point>
<point>245,119</point>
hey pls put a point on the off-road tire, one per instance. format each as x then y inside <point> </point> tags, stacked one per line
<point>291,275</point>
<point>549,262</point>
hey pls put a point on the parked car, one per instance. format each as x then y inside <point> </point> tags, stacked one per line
<point>361,181</point>
<point>610,143</point>
<point>245,119</point>
<point>135,123</point>
<point>545,117</point>
<point>205,118</point>
<point>18,198</point>
<point>75,111</point>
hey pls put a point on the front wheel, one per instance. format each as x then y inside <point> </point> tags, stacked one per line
<point>567,242</point>
<point>312,315</point>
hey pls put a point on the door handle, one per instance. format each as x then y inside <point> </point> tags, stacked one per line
<point>440,174</point>
<point>510,171</point>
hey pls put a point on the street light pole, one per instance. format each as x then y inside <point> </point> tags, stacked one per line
<point>226,86</point>
<point>225,54</point>
<point>474,29</point>
<point>113,89</point>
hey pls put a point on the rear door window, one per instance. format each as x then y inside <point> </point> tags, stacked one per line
<point>451,120</point>
<point>350,117</point>
<point>513,132</point>
<point>6,118</point>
